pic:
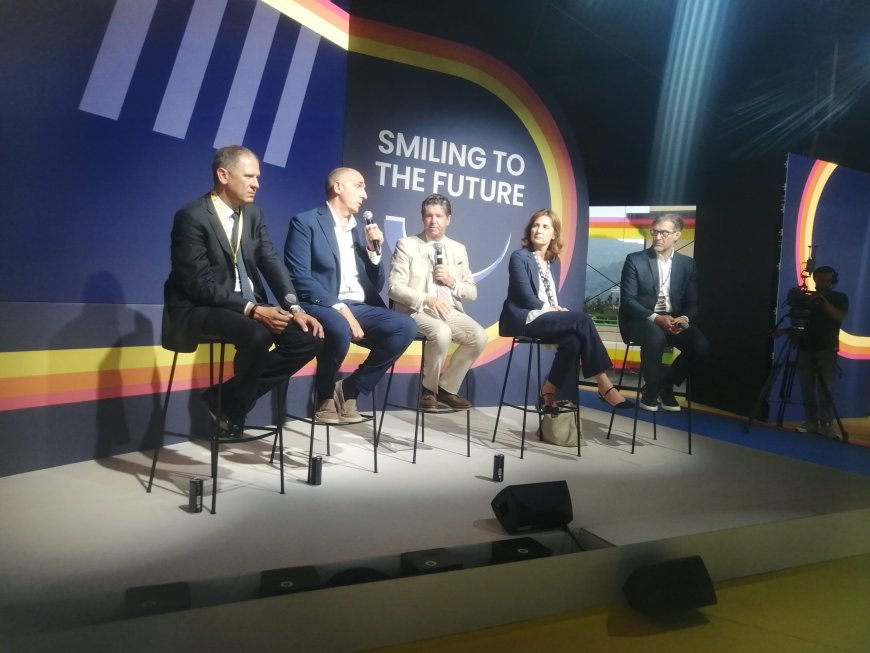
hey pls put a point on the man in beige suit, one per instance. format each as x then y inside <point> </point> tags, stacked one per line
<point>429,279</point>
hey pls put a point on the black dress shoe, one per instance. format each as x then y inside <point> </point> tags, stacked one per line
<point>227,425</point>
<point>236,430</point>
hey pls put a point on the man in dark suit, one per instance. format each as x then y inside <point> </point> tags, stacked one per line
<point>658,301</point>
<point>335,263</point>
<point>219,250</point>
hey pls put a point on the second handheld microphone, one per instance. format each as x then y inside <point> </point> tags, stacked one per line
<point>439,253</point>
<point>367,216</point>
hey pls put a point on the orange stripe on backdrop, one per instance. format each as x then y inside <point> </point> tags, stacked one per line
<point>50,378</point>
<point>41,384</point>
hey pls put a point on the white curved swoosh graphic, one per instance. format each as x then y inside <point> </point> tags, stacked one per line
<point>394,229</point>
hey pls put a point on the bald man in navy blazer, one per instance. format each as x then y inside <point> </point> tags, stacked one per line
<point>658,301</point>
<point>336,266</point>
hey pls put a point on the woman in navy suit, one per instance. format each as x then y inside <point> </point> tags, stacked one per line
<point>532,309</point>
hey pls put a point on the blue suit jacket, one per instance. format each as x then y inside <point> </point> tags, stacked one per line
<point>523,278</point>
<point>311,255</point>
<point>639,288</point>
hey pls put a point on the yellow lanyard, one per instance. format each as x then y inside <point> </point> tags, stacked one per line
<point>234,248</point>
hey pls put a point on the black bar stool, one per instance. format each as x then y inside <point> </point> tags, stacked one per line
<point>686,394</point>
<point>534,346</point>
<point>215,438</point>
<point>419,412</point>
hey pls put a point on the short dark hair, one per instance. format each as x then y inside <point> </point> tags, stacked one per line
<point>827,269</point>
<point>438,200</point>
<point>226,157</point>
<point>670,217</point>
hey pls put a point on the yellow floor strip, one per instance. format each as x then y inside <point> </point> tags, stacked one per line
<point>813,609</point>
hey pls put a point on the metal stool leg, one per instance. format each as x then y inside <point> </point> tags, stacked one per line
<point>689,409</point>
<point>618,388</point>
<point>526,398</point>
<point>163,430</point>
<point>215,442</point>
<point>507,372</point>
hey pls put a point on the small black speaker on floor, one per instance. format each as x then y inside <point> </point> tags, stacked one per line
<point>518,548</point>
<point>670,587</point>
<point>533,506</point>
<point>156,599</point>
<point>428,561</point>
<point>289,580</point>
<point>357,575</point>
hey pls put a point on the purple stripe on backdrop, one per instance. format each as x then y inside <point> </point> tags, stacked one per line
<point>119,52</point>
<point>192,59</point>
<point>249,74</point>
<point>292,97</point>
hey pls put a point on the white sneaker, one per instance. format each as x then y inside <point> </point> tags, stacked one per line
<point>807,427</point>
<point>828,431</point>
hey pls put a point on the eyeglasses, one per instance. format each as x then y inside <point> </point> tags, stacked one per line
<point>659,232</point>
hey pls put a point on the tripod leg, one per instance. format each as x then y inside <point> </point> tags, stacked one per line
<point>826,393</point>
<point>764,395</point>
<point>785,389</point>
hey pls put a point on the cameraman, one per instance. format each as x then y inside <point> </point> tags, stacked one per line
<point>817,353</point>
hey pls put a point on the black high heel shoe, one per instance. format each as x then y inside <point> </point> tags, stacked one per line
<point>543,406</point>
<point>625,404</point>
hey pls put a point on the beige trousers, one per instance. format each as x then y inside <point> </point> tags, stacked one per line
<point>458,328</point>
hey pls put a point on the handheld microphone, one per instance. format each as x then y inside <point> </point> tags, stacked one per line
<point>290,299</point>
<point>367,216</point>
<point>683,325</point>
<point>439,253</point>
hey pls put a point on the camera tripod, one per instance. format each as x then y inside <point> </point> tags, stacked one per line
<point>786,360</point>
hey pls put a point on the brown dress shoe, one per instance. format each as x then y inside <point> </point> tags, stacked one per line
<point>428,400</point>
<point>453,400</point>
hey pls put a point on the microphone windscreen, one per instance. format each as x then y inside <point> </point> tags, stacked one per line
<point>367,216</point>
<point>290,299</point>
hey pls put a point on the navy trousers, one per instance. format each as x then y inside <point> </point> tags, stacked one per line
<point>652,340</point>
<point>387,335</point>
<point>576,337</point>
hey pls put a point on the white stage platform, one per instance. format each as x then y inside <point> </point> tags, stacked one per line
<point>75,537</point>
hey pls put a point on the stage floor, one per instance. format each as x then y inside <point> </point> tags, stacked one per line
<point>75,537</point>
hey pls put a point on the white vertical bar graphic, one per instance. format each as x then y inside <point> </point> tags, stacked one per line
<point>290,106</point>
<point>119,52</point>
<point>249,74</point>
<point>188,71</point>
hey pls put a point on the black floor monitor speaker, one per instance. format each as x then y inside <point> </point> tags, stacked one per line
<point>289,580</point>
<point>670,587</point>
<point>517,549</point>
<point>533,506</point>
<point>156,599</point>
<point>429,561</point>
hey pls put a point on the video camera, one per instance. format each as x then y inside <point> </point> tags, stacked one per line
<point>802,302</point>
